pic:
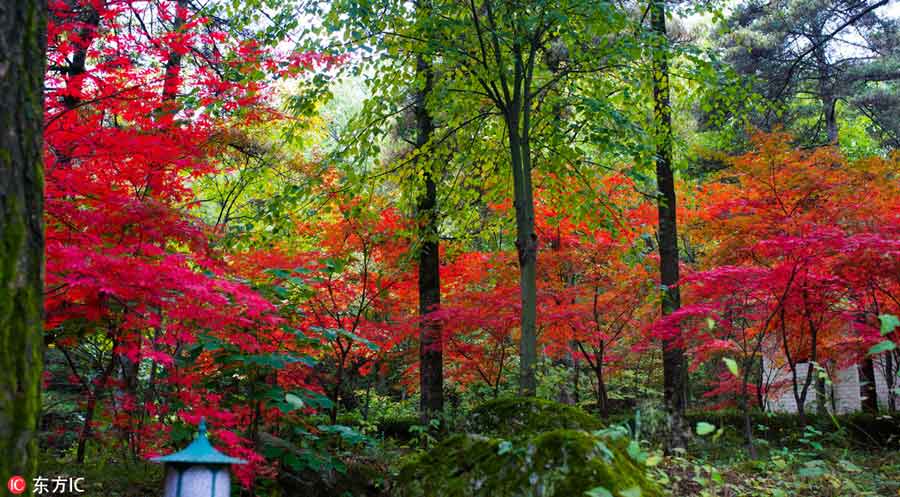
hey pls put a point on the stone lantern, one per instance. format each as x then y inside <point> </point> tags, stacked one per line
<point>199,470</point>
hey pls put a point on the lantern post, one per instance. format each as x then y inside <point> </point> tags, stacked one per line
<point>199,470</point>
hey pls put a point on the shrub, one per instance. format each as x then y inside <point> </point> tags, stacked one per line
<point>398,428</point>
<point>557,463</point>
<point>512,416</point>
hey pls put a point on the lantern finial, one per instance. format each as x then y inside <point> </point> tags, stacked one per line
<point>200,451</point>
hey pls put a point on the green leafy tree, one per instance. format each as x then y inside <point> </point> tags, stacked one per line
<point>674,372</point>
<point>507,71</point>
<point>826,51</point>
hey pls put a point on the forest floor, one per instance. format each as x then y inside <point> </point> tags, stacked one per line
<point>838,473</point>
<point>810,461</point>
<point>835,472</point>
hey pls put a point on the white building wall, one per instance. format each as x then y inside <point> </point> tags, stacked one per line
<point>844,393</point>
<point>782,400</point>
<point>845,390</point>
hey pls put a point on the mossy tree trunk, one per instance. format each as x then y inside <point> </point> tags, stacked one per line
<point>22,62</point>
<point>431,356</point>
<point>674,372</point>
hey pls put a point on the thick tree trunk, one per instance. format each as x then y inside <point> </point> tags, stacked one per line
<point>674,372</point>
<point>23,26</point>
<point>431,366</point>
<point>826,92</point>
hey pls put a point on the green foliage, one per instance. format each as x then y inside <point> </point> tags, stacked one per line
<point>108,474</point>
<point>400,428</point>
<point>858,429</point>
<point>888,323</point>
<point>508,417</point>
<point>834,471</point>
<point>704,428</point>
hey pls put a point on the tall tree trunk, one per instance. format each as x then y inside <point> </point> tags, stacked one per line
<point>674,372</point>
<point>526,247</point>
<point>431,356</point>
<point>826,91</point>
<point>23,28</point>
<point>518,125</point>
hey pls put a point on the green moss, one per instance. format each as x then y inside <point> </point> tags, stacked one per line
<point>556,463</point>
<point>516,416</point>
<point>398,428</point>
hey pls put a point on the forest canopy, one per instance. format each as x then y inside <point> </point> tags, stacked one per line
<point>455,247</point>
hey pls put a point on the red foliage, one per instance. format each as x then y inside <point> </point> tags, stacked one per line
<point>133,116</point>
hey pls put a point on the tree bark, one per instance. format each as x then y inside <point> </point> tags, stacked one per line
<point>518,125</point>
<point>831,125</point>
<point>869,391</point>
<point>826,91</point>
<point>747,367</point>
<point>172,80</point>
<point>674,373</point>
<point>431,356</point>
<point>602,395</point>
<point>90,20</point>
<point>86,432</point>
<point>23,28</point>
<point>889,376</point>
<point>526,247</point>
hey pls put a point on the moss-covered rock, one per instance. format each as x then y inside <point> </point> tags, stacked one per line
<point>523,416</point>
<point>557,463</point>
